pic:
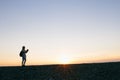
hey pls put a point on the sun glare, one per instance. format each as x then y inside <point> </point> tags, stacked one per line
<point>64,59</point>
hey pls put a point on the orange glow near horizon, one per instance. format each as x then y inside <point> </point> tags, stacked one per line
<point>62,58</point>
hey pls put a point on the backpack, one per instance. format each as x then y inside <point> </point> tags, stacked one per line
<point>21,53</point>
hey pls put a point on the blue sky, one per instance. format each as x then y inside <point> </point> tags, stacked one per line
<point>82,30</point>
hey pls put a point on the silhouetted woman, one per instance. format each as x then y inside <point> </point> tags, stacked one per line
<point>23,55</point>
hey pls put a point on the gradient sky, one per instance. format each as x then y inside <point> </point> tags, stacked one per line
<point>80,30</point>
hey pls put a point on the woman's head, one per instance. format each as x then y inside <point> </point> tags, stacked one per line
<point>23,47</point>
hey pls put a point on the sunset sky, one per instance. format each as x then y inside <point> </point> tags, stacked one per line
<point>59,31</point>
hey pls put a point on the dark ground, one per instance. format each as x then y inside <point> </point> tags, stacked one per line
<point>98,71</point>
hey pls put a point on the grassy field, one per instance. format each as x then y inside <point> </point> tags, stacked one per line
<point>96,71</point>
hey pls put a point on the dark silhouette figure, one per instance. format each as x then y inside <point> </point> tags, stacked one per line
<point>23,55</point>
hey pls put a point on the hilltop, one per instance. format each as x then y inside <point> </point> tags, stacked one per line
<point>95,71</point>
